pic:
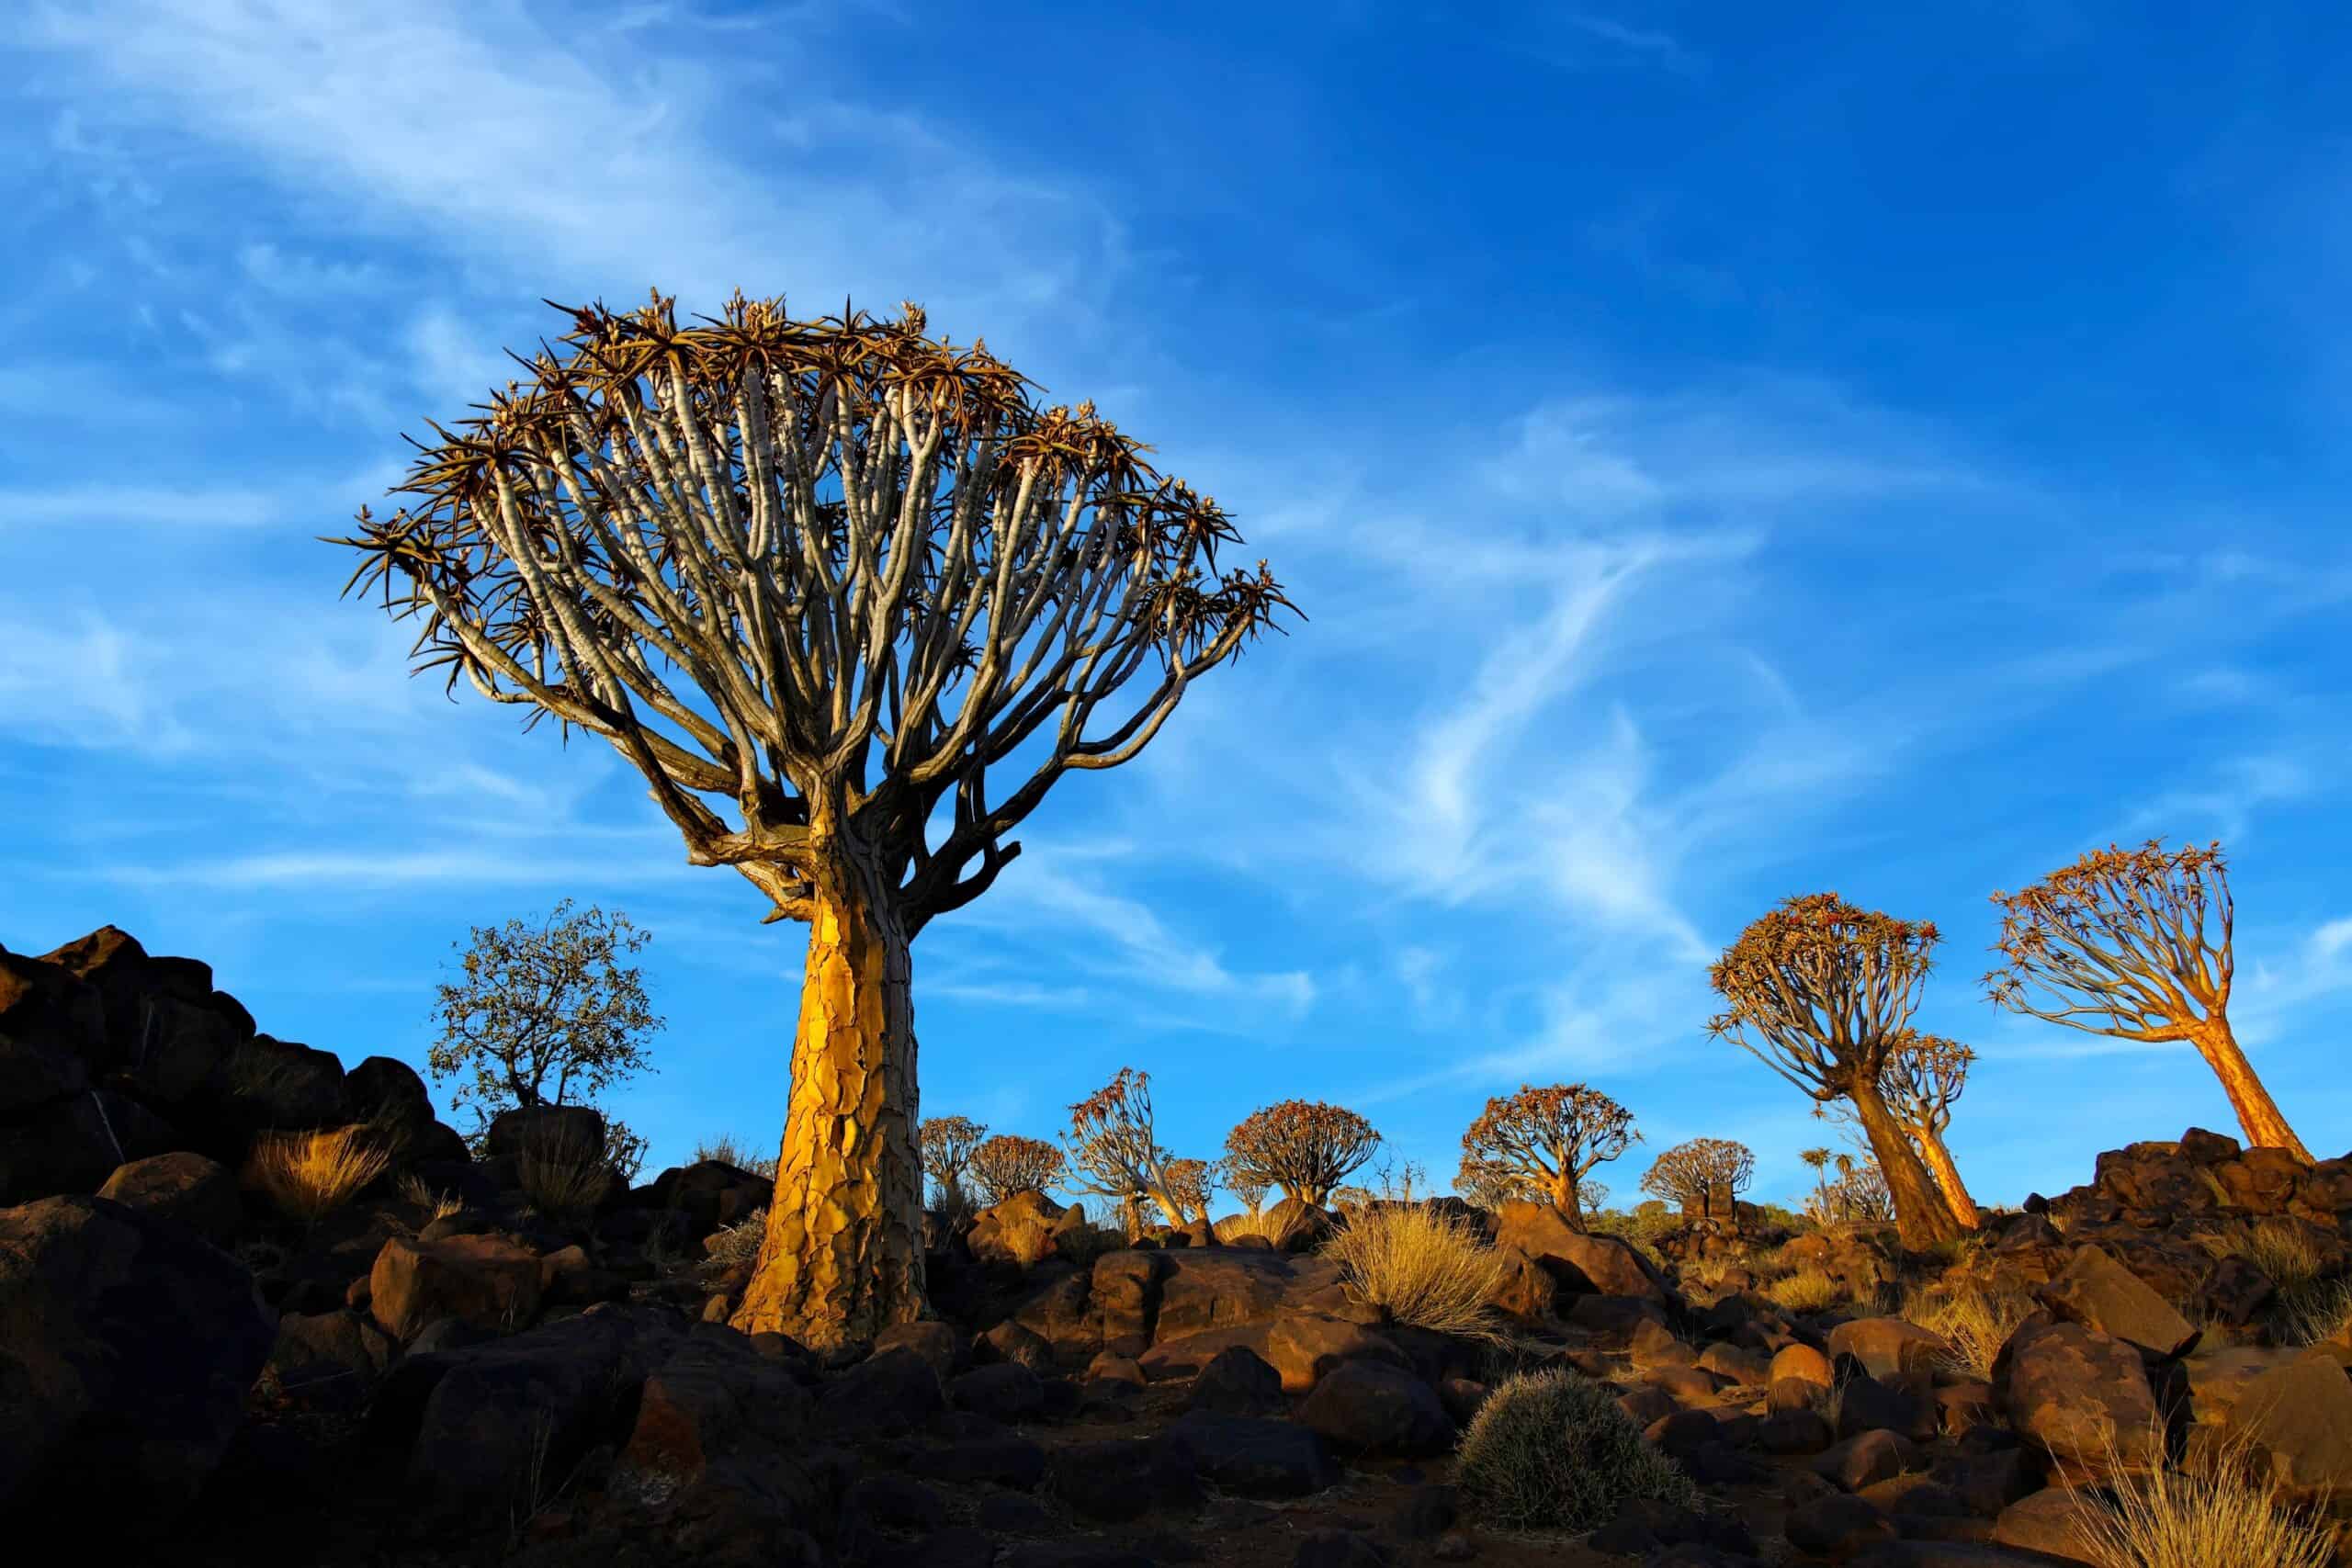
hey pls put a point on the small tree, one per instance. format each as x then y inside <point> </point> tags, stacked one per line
<point>1006,1164</point>
<point>1192,1183</point>
<point>825,584</point>
<point>947,1143</point>
<point>1859,1196</point>
<point>1305,1147</point>
<point>1551,1137</point>
<point>1818,1159</point>
<point>1821,992</point>
<point>1247,1185</point>
<point>1704,1174</point>
<point>546,1014</point>
<point>1112,1150</point>
<point>1489,1184</point>
<point>2118,943</point>
<point>1924,1075</point>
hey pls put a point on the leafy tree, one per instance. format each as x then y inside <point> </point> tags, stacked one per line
<point>947,1143</point>
<point>1007,1164</point>
<point>1112,1150</point>
<point>1822,991</point>
<point>825,584</point>
<point>2118,943</point>
<point>546,1014</point>
<point>1303,1147</point>
<point>1550,1138</point>
<point>1705,1174</point>
<point>1924,1075</point>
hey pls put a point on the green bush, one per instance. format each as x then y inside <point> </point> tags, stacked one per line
<point>1550,1451</point>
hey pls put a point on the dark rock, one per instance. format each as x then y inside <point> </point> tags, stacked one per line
<point>940,1347</point>
<point>1869,1459</point>
<point>712,1395</point>
<point>53,1025</point>
<point>489,1281</point>
<point>1338,1548</point>
<point>1125,1291</point>
<point>1836,1526</point>
<point>1237,1382</point>
<point>269,1085</point>
<point>1071,1554</point>
<point>889,1392</point>
<point>568,1133</point>
<point>329,1360</point>
<point>1010,1342</point>
<point>898,1503</point>
<point>1867,1403</point>
<point>1888,1346</point>
<point>71,1145</point>
<point>1795,1431</point>
<point>2298,1416</point>
<point>186,1189</point>
<point>1365,1406</point>
<point>2079,1396</point>
<point>1006,1391</point>
<point>1305,1346</point>
<point>127,1347</point>
<point>1002,1459</point>
<point>1251,1456</point>
<point>1113,1481</point>
<point>1428,1511</point>
<point>2045,1522</point>
<point>1579,1263</point>
<point>2101,1294</point>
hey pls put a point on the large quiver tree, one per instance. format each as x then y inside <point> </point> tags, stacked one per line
<point>1549,1139</point>
<point>2136,944</point>
<point>1822,992</point>
<point>819,582</point>
<point>1304,1147</point>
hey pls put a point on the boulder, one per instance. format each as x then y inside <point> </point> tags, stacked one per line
<point>329,1359</point>
<point>72,1146</point>
<point>889,1391</point>
<point>506,1423</point>
<point>568,1133</point>
<point>1868,1458</point>
<point>1002,1390</point>
<point>489,1282</point>
<point>186,1189</point>
<point>2298,1416</point>
<point>1126,1296</point>
<point>940,1347</point>
<point>1110,1482</point>
<point>2081,1397</point>
<point>127,1345</point>
<point>265,1084</point>
<point>1236,1382</point>
<point>1252,1456</point>
<point>1579,1263</point>
<point>709,1194</point>
<point>1888,1346</point>
<point>1801,1364</point>
<point>2100,1294</point>
<point>2045,1521</point>
<point>1201,1289</point>
<point>51,1026</point>
<point>1009,1341</point>
<point>1017,1231</point>
<point>1373,1407</point>
<point>1305,1348</point>
<point>1293,1225</point>
<point>1188,1356</point>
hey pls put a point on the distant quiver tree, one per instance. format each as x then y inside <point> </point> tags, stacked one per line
<point>851,605</point>
<point>1547,1138</point>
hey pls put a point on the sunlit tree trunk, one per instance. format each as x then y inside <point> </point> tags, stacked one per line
<point>1564,1198</point>
<point>2258,1114</point>
<point>843,1257</point>
<point>1939,1159</point>
<point>1921,1216</point>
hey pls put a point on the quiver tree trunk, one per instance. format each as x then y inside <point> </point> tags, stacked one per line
<point>1567,1201</point>
<point>843,1257</point>
<point>2258,1114</point>
<point>1939,1159</point>
<point>1922,1218</point>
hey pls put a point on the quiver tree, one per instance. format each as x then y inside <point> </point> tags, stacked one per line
<point>2136,944</point>
<point>1704,1175</point>
<point>1007,1164</point>
<point>1550,1138</point>
<point>1304,1147</point>
<point>1247,1187</point>
<point>824,584</point>
<point>1112,1150</point>
<point>1489,1184</point>
<point>1192,1183</point>
<point>1859,1196</point>
<point>1924,1075</point>
<point>1821,992</point>
<point>1817,1160</point>
<point>946,1143</point>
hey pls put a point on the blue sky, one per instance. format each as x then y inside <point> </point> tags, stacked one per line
<point>1722,455</point>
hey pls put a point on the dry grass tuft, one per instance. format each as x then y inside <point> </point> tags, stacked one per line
<point>727,1151</point>
<point>310,1174</point>
<point>439,1205</point>
<point>2221,1512</point>
<point>1423,1268</point>
<point>563,1172</point>
<point>1233,1227</point>
<point>1973,1321</point>
<point>1807,1290</point>
<point>739,1243</point>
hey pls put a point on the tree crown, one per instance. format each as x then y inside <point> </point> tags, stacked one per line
<point>1924,1074</point>
<point>1551,1131</point>
<point>946,1143</point>
<point>1301,1145</point>
<point>1110,1149</point>
<point>1818,989</point>
<point>2116,944</point>
<point>1690,1170</point>
<point>823,573</point>
<point>1008,1163</point>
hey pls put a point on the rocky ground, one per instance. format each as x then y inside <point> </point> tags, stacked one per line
<point>447,1372</point>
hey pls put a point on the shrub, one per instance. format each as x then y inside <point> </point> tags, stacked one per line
<point>727,1151</point>
<point>1423,1266</point>
<point>2313,1313</point>
<point>1550,1450</point>
<point>1083,1244</point>
<point>1807,1290</point>
<point>440,1205</point>
<point>737,1244</point>
<point>309,1173</point>
<point>1974,1321</point>
<point>2221,1512</point>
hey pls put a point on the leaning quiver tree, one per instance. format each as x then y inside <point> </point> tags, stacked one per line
<point>2117,944</point>
<point>1008,1163</point>
<point>1821,992</point>
<point>1704,1173</point>
<point>851,605</point>
<point>1113,1151</point>
<point>1550,1138</point>
<point>1924,1075</point>
<point>1304,1147</point>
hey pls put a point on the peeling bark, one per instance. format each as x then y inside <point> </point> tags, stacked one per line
<point>2259,1115</point>
<point>1921,1216</point>
<point>843,1257</point>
